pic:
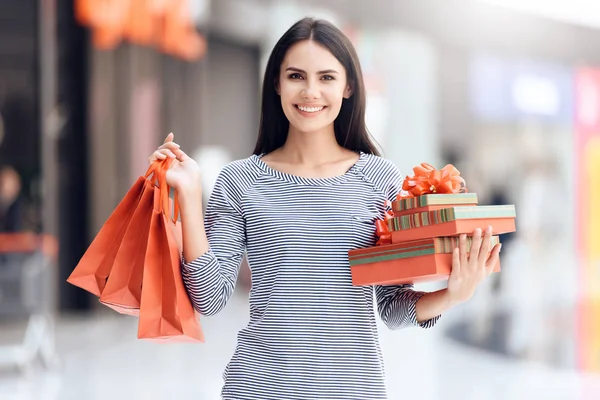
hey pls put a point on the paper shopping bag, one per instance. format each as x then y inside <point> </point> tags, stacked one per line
<point>166,312</point>
<point>123,288</point>
<point>94,267</point>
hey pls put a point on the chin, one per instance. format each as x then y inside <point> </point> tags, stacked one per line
<point>311,128</point>
<point>310,125</point>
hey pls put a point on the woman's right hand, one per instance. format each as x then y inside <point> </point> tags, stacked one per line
<point>184,173</point>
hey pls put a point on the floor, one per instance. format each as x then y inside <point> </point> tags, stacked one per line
<point>101,358</point>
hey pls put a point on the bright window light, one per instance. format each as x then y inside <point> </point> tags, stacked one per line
<point>578,12</point>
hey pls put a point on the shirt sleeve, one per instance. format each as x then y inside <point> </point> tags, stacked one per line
<point>397,304</point>
<point>210,279</point>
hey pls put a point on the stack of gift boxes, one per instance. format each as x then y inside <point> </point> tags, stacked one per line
<point>418,235</point>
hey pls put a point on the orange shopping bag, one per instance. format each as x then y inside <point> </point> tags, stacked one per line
<point>166,312</point>
<point>95,266</point>
<point>123,288</point>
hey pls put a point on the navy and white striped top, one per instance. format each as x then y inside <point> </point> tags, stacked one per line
<point>311,335</point>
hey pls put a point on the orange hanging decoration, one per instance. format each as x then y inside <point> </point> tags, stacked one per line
<point>166,24</point>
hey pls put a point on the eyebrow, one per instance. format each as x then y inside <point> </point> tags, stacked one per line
<point>325,71</point>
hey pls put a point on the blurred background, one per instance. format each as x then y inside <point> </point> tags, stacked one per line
<point>507,91</point>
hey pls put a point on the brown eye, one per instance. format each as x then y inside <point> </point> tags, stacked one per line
<point>327,78</point>
<point>295,75</point>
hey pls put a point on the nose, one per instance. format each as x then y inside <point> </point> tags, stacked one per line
<point>311,90</point>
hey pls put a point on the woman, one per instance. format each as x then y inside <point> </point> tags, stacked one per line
<point>310,192</point>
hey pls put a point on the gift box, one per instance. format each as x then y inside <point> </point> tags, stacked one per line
<point>431,202</point>
<point>451,221</point>
<point>418,234</point>
<point>414,261</point>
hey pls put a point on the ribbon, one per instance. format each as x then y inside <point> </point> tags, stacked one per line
<point>158,171</point>
<point>428,180</point>
<point>382,230</point>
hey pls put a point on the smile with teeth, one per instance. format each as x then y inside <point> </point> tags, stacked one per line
<point>310,109</point>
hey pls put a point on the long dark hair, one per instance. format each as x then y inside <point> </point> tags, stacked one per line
<point>349,126</point>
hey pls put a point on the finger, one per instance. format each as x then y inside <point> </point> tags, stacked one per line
<point>455,262</point>
<point>169,137</point>
<point>475,246</point>
<point>493,259</point>
<point>167,153</point>
<point>170,146</point>
<point>462,245</point>
<point>181,156</point>
<point>486,245</point>
<point>157,155</point>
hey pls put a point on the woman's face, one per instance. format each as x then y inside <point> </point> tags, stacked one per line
<point>312,85</point>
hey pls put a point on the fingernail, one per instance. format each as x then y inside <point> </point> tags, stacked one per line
<point>500,248</point>
<point>478,231</point>
<point>489,229</point>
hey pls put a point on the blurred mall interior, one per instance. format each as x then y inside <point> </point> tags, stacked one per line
<point>507,91</point>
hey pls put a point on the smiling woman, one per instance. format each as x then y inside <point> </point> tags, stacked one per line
<point>314,69</point>
<point>316,93</point>
<point>311,192</point>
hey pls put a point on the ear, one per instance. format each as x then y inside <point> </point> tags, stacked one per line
<point>277,89</point>
<point>348,92</point>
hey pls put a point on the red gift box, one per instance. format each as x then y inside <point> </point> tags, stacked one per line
<point>431,202</point>
<point>417,237</point>
<point>451,221</point>
<point>415,261</point>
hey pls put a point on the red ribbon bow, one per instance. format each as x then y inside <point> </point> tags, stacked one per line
<point>428,180</point>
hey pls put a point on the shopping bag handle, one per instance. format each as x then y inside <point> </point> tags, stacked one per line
<point>159,170</point>
<point>153,170</point>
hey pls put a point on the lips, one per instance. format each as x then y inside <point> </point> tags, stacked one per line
<point>309,109</point>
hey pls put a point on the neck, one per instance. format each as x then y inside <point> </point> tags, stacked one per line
<point>311,148</point>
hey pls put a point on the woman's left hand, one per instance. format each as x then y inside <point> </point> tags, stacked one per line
<point>469,269</point>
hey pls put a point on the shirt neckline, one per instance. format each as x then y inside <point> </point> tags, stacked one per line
<point>257,159</point>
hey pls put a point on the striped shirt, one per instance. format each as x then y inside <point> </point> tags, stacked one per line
<point>312,334</point>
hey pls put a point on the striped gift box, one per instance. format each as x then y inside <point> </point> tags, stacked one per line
<point>416,204</point>
<point>424,260</point>
<point>417,220</point>
<point>452,221</point>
